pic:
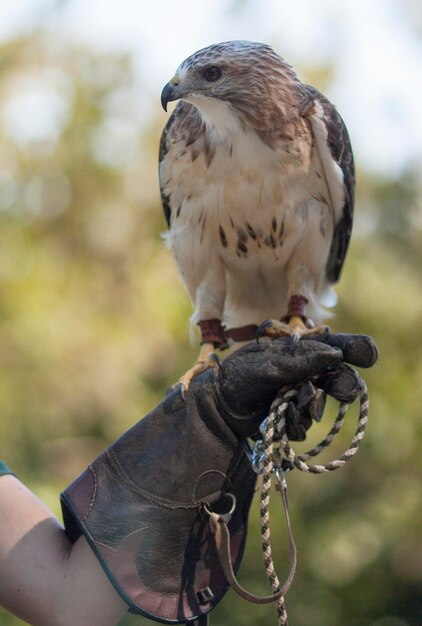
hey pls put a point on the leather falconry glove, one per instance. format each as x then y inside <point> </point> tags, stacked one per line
<point>140,504</point>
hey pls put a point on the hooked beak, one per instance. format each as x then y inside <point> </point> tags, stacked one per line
<point>169,94</point>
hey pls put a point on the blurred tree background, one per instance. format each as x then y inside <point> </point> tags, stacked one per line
<point>94,328</point>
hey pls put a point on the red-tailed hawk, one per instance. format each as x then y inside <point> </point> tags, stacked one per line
<point>257,183</point>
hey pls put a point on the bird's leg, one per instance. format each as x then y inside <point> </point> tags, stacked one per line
<point>212,336</point>
<point>294,324</point>
<point>206,360</point>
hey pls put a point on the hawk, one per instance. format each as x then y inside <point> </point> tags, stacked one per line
<point>257,183</point>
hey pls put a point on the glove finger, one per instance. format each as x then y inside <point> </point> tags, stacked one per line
<point>358,350</point>
<point>276,362</point>
<point>343,384</point>
<point>311,401</point>
<point>304,361</point>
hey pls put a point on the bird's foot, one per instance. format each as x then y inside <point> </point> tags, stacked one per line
<point>207,359</point>
<point>295,327</point>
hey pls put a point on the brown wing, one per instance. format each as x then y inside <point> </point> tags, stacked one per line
<point>184,128</point>
<point>340,149</point>
<point>164,148</point>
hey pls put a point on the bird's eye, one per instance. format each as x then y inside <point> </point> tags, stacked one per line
<point>212,73</point>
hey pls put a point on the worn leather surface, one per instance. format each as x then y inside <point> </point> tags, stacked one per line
<point>140,505</point>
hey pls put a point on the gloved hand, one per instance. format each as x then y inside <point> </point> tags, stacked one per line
<point>250,378</point>
<point>140,504</point>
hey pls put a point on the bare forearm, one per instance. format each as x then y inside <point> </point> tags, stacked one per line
<point>44,579</point>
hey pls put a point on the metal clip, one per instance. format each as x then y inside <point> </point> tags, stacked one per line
<point>214,516</point>
<point>280,477</point>
<point>258,463</point>
<point>258,456</point>
<point>263,426</point>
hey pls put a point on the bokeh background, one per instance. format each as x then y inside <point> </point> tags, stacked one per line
<point>93,317</point>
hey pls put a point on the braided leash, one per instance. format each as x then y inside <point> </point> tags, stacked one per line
<point>268,468</point>
<point>267,460</point>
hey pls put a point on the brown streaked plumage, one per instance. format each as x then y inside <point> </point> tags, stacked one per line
<point>266,162</point>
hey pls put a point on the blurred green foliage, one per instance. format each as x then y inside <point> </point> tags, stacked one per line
<point>94,328</point>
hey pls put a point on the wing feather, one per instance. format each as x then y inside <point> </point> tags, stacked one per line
<point>184,128</point>
<point>162,156</point>
<point>334,146</point>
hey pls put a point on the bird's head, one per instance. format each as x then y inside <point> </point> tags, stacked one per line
<point>244,74</point>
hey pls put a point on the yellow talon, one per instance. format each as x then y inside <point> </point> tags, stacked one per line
<point>294,328</point>
<point>206,359</point>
